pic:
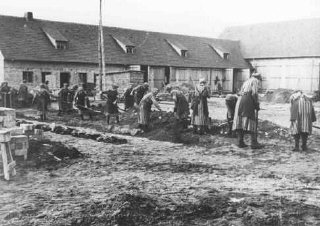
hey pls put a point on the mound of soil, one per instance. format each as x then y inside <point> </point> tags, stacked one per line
<point>47,153</point>
<point>184,87</point>
<point>271,130</point>
<point>214,208</point>
<point>278,96</point>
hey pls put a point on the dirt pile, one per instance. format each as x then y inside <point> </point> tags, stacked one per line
<point>278,96</point>
<point>268,129</point>
<point>47,153</point>
<point>184,87</point>
<point>214,208</point>
<point>82,133</point>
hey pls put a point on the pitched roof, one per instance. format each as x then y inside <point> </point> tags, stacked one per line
<point>22,40</point>
<point>299,38</point>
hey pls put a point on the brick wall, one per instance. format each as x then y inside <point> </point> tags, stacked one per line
<point>13,72</point>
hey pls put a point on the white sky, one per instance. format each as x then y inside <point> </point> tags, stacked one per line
<point>191,17</point>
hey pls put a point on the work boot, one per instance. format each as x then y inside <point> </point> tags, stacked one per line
<point>201,130</point>
<point>296,142</point>
<point>304,137</point>
<point>241,143</point>
<point>195,129</point>
<point>254,142</point>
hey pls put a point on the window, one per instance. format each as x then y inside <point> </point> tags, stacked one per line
<point>183,53</point>
<point>61,45</point>
<point>129,49</point>
<point>83,78</point>
<point>226,56</point>
<point>27,76</point>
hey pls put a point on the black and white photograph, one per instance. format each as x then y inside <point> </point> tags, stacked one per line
<point>159,113</point>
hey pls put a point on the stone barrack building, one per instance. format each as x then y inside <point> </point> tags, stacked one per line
<point>37,50</point>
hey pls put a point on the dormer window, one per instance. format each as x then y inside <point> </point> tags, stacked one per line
<point>130,49</point>
<point>61,45</point>
<point>126,45</point>
<point>183,53</point>
<point>224,54</point>
<point>56,38</point>
<point>180,49</point>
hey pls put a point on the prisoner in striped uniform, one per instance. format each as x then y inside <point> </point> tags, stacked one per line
<point>302,116</point>
<point>145,108</point>
<point>199,105</point>
<point>245,120</point>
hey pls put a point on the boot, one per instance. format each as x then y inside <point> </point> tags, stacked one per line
<point>254,142</point>
<point>108,119</point>
<point>241,143</point>
<point>117,119</point>
<point>195,129</point>
<point>296,141</point>
<point>201,130</point>
<point>304,137</point>
<point>81,117</point>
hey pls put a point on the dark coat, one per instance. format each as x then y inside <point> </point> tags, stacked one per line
<point>202,97</point>
<point>63,99</point>
<point>128,99</point>
<point>42,100</point>
<point>111,107</point>
<point>247,106</point>
<point>139,92</point>
<point>23,92</point>
<point>181,106</point>
<point>81,100</point>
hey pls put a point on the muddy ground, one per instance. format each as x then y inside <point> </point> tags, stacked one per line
<point>151,182</point>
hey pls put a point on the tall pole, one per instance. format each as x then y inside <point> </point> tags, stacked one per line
<point>101,51</point>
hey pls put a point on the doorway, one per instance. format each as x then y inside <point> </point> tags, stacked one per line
<point>64,78</point>
<point>167,75</point>
<point>144,69</point>
<point>44,76</point>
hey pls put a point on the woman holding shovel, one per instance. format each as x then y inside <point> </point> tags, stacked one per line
<point>246,112</point>
<point>145,109</point>
<point>111,107</point>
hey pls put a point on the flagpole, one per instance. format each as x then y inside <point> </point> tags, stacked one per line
<point>101,51</point>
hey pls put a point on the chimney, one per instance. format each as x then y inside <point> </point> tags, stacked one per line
<point>28,16</point>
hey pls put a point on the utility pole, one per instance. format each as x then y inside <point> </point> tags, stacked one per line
<point>101,51</point>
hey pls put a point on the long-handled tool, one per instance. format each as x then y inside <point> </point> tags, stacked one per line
<point>89,109</point>
<point>256,129</point>
<point>317,127</point>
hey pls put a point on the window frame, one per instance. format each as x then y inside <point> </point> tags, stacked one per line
<point>28,76</point>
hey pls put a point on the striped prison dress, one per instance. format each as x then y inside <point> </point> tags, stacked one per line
<point>145,108</point>
<point>302,114</point>
<point>245,117</point>
<point>199,105</point>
